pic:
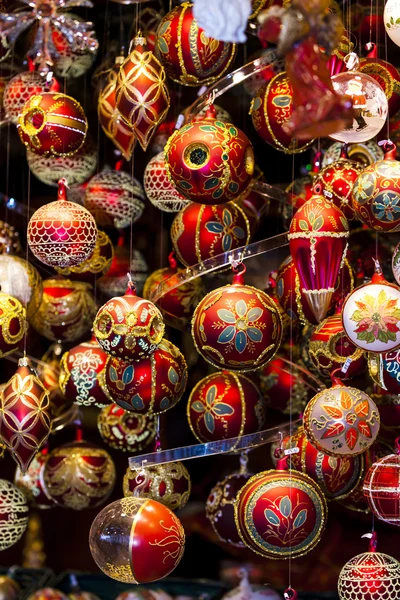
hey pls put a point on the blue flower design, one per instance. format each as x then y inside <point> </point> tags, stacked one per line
<point>386,207</point>
<point>212,408</point>
<point>241,328</point>
<point>226,229</point>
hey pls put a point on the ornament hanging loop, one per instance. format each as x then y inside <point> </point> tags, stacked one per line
<point>238,278</point>
<point>373,540</point>
<point>290,594</point>
<point>131,290</point>
<point>352,61</point>
<point>389,149</point>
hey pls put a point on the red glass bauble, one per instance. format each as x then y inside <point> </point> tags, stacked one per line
<point>188,55</point>
<point>82,375</point>
<point>13,514</point>
<point>270,109</point>
<point>280,514</point>
<point>382,489</point>
<point>220,509</point>
<point>370,576</point>
<point>25,415</point>
<point>336,183</point>
<point>129,327</point>
<point>31,483</point>
<point>199,232</point>
<point>79,476</point>
<point>21,88</point>
<point>290,294</point>
<point>62,233</point>
<point>149,386</point>
<point>209,161</point>
<point>225,405</point>
<point>52,124</point>
<point>136,540</point>
<point>12,324</point>
<point>96,265</point>
<point>388,78</point>
<point>318,244</point>
<point>114,282</point>
<point>237,327</point>
<point>159,189</point>
<point>124,430</point>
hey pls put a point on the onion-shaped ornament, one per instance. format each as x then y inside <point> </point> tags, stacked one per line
<point>159,189</point>
<point>124,430</point>
<point>13,514</point>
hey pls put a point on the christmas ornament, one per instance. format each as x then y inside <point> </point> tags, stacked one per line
<point>79,476</point>
<point>318,244</point>
<point>144,593</point>
<point>375,193</point>
<point>220,509</point>
<point>337,476</point>
<point>188,55</point>
<point>114,282</point>
<point>23,87</point>
<point>237,326</point>
<point>110,118</point>
<point>386,75</point>
<point>299,191</point>
<point>96,265</point>
<point>48,593</point>
<point>209,161</point>
<point>382,488</point>
<point>223,21</point>
<point>330,348</point>
<point>73,61</point>
<point>13,514</point>
<point>125,431</point>
<point>364,245</point>
<point>396,263</point>
<point>25,416</point>
<point>82,375</point>
<point>255,207</point>
<point>12,324</point>
<point>66,312</point>
<point>169,484</point>
<point>391,17</point>
<point>371,315</point>
<point>129,327</point>
<point>225,405</point>
<point>370,576</point>
<point>61,233</point>
<point>218,112</point>
<point>270,109</point>
<point>199,232</point>
<point>20,279</point>
<point>280,514</point>
<point>336,183</point>
<point>364,153</point>
<point>384,369</point>
<point>9,239</point>
<point>141,94</point>
<point>159,190</point>
<point>76,169</point>
<point>136,540</point>
<point>31,483</point>
<point>290,295</point>
<point>341,421</point>
<point>9,588</point>
<point>114,198</point>
<point>52,124</point>
<point>149,386</point>
<point>176,306</point>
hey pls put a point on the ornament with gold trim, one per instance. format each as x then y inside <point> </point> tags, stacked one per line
<point>62,233</point>
<point>341,420</point>
<point>382,489</point>
<point>79,475</point>
<point>66,312</point>
<point>188,55</point>
<point>363,153</point>
<point>126,431</point>
<point>169,484</point>
<point>318,244</point>
<point>386,75</point>
<point>25,415</point>
<point>280,514</point>
<point>225,405</point>
<point>21,88</point>
<point>31,482</point>
<point>290,295</point>
<point>20,279</point>
<point>384,369</point>
<point>113,283</point>
<point>159,189</point>
<point>75,60</point>
<point>110,118</point>
<point>114,199</point>
<point>129,327</point>
<point>177,305</point>
<point>12,324</point>
<point>82,375</point>
<point>237,327</point>
<point>141,93</point>
<point>136,540</point>
<point>9,588</point>
<point>48,593</point>
<point>151,385</point>
<point>199,232</point>
<point>209,161</point>
<point>13,514</point>
<point>52,124</point>
<point>93,267</point>
<point>271,109</point>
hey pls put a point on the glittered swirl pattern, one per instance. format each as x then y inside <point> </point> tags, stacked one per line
<point>13,514</point>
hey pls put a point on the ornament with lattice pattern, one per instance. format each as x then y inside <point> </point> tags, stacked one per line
<point>21,88</point>
<point>159,190</point>
<point>382,489</point>
<point>12,324</point>
<point>370,576</point>
<point>13,514</point>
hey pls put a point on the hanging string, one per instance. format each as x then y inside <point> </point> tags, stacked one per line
<point>370,21</point>
<point>27,256</point>
<point>131,226</point>
<point>137,17</point>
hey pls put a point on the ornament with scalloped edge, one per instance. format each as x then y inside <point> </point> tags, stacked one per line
<point>159,189</point>
<point>13,514</point>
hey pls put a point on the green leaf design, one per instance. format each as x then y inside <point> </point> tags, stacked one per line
<point>362,335</point>
<point>303,225</point>
<point>185,185</point>
<point>370,338</point>
<point>311,217</point>
<point>344,222</point>
<point>220,124</point>
<point>233,131</point>
<point>211,183</point>
<point>163,28</point>
<point>208,128</point>
<point>392,20</point>
<point>391,335</point>
<point>271,517</point>
<point>388,25</point>
<point>318,223</point>
<point>398,21</point>
<point>255,105</point>
<point>357,315</point>
<point>383,337</point>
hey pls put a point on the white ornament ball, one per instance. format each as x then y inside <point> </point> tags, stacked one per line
<point>391,18</point>
<point>159,190</point>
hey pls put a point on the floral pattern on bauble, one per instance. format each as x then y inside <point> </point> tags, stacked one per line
<point>212,408</point>
<point>377,317</point>
<point>227,230</point>
<point>241,329</point>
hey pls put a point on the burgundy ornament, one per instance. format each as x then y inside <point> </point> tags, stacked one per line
<point>124,430</point>
<point>20,89</point>
<point>337,180</point>
<point>31,482</point>
<point>382,488</point>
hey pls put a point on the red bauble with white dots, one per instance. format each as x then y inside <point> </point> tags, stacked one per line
<point>382,489</point>
<point>225,405</point>
<point>336,182</point>
<point>21,88</point>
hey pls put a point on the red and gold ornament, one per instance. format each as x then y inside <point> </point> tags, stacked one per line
<point>62,233</point>
<point>290,295</point>
<point>225,405</point>
<point>382,488</point>
<point>48,593</point>
<point>129,327</point>
<point>13,514</point>
<point>237,326</point>
<point>25,415</point>
<point>318,244</point>
<point>95,266</point>
<point>113,283</point>
<point>386,75</point>
<point>336,183</point>
<point>31,482</point>
<point>384,369</point>
<point>141,94</point>
<point>124,430</point>
<point>52,124</point>
<point>209,161</point>
<point>159,189</point>
<point>200,232</point>
<point>188,55</point>
<point>12,324</point>
<point>21,88</point>
<point>151,385</point>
